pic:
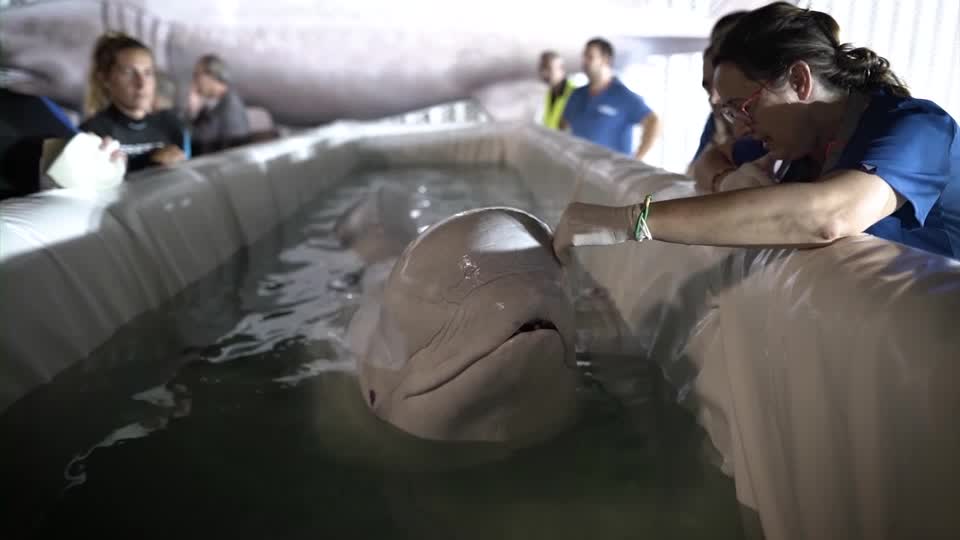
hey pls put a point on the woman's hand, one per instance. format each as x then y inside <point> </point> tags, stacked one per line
<point>168,155</point>
<point>714,161</point>
<point>757,173</point>
<point>593,225</point>
<point>116,155</point>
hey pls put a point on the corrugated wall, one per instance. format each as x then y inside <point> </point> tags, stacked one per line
<point>920,38</point>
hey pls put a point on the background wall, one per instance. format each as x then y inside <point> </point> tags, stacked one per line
<point>313,62</point>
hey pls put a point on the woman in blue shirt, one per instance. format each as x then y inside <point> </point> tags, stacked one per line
<point>862,155</point>
<point>719,152</point>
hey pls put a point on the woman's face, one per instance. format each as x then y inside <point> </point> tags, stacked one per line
<point>131,84</point>
<point>775,116</point>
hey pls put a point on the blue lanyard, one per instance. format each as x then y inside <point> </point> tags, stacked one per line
<point>186,143</point>
<point>58,112</point>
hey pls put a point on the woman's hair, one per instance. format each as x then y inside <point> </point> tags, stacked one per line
<point>104,57</point>
<point>724,24</point>
<point>720,29</point>
<point>765,42</point>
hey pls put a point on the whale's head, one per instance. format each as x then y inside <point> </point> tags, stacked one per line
<point>473,339</point>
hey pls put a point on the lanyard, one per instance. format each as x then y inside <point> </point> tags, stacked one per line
<point>58,113</point>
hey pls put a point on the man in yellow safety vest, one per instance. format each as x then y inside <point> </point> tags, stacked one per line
<point>553,73</point>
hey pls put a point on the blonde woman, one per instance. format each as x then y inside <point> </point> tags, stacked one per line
<point>120,97</point>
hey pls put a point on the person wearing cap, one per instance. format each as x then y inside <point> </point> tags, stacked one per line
<point>222,120</point>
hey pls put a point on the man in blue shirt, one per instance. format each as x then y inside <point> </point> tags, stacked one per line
<point>605,110</point>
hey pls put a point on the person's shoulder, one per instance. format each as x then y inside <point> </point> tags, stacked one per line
<point>577,95</point>
<point>618,85</point>
<point>911,133</point>
<point>624,92</point>
<point>579,91</point>
<point>909,112</point>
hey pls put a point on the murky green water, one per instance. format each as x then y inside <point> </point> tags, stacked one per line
<point>234,412</point>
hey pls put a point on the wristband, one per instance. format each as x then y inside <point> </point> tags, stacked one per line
<point>642,231</point>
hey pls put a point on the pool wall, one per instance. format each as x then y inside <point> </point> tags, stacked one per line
<point>826,378</point>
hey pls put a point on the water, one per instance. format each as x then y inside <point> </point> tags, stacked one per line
<point>234,411</point>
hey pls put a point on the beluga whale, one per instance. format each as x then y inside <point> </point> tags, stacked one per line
<point>468,334</point>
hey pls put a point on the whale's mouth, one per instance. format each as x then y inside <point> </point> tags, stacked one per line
<point>530,332</point>
<point>533,326</point>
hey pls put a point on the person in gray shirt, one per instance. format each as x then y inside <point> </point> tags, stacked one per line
<point>222,121</point>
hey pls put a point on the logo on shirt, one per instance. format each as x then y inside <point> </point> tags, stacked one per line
<point>137,149</point>
<point>606,110</point>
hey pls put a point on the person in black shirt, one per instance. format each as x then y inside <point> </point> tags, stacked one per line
<point>155,139</point>
<point>121,89</point>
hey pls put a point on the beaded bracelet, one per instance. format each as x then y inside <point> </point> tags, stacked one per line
<point>642,231</point>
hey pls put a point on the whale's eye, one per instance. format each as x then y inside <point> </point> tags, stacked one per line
<point>534,325</point>
<point>373,397</point>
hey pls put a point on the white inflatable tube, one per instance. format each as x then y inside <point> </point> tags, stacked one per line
<point>827,379</point>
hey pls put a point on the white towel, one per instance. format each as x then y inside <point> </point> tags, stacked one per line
<point>81,163</point>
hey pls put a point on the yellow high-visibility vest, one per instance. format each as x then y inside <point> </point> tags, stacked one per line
<point>552,115</point>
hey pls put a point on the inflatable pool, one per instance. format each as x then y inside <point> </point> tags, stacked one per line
<point>825,378</point>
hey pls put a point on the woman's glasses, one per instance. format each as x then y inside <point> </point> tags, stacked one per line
<point>732,113</point>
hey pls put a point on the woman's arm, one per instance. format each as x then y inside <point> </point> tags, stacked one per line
<point>785,215</point>
<point>841,204</point>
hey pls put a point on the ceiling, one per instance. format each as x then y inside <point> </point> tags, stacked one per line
<point>314,62</point>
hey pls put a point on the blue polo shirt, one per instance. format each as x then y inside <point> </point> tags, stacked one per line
<point>745,149</point>
<point>608,118</point>
<point>914,146</point>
